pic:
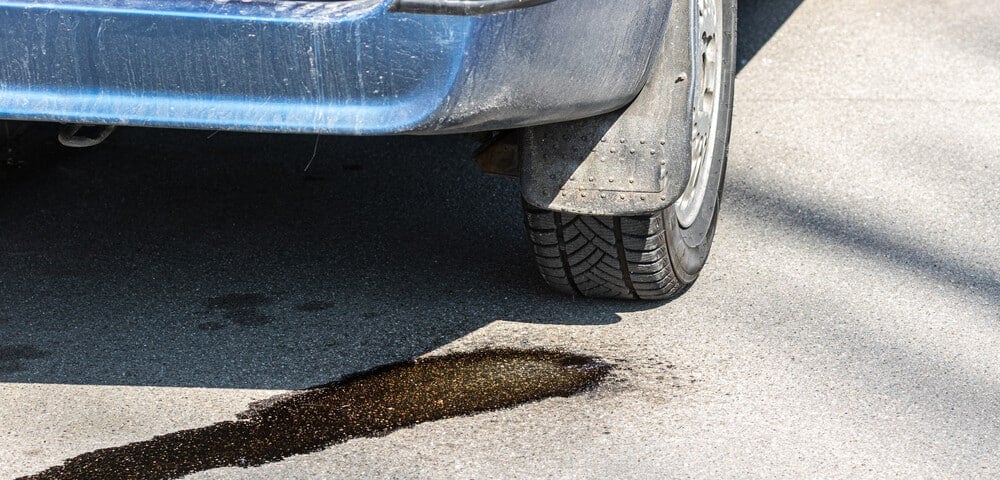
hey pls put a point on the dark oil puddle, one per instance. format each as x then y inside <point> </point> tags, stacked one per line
<point>367,404</point>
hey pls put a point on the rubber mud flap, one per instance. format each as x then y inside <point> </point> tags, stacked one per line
<point>636,160</point>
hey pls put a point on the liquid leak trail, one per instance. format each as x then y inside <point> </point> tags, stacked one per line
<point>366,404</point>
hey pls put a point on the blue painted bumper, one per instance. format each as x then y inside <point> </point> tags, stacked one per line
<point>341,67</point>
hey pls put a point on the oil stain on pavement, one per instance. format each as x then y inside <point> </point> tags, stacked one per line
<point>242,309</point>
<point>12,357</point>
<point>316,306</point>
<point>366,404</point>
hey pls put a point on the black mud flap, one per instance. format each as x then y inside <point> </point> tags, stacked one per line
<point>636,160</point>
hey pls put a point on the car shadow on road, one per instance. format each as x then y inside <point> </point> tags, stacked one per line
<point>184,258</point>
<point>187,258</point>
<point>758,21</point>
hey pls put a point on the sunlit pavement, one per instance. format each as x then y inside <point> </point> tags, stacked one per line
<point>848,324</point>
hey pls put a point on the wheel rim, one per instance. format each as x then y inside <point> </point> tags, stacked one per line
<point>705,110</point>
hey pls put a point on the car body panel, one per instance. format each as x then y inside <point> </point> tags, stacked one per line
<point>347,67</point>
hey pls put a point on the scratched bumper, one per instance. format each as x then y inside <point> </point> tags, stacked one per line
<point>347,67</point>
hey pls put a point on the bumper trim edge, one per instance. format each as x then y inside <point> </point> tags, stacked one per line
<point>461,7</point>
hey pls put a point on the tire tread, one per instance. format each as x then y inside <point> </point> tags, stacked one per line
<point>602,257</point>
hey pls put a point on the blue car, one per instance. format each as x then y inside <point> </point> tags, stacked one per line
<point>614,115</point>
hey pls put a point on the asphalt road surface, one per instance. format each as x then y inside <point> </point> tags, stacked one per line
<point>847,325</point>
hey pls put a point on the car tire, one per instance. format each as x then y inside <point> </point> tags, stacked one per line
<point>655,256</point>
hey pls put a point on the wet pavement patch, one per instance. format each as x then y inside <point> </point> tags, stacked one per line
<point>366,404</point>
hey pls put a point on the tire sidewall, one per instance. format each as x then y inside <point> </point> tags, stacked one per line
<point>689,247</point>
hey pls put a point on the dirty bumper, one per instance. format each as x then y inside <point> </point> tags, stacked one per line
<point>340,67</point>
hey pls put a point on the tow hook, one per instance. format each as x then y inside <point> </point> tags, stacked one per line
<point>70,135</point>
<point>498,155</point>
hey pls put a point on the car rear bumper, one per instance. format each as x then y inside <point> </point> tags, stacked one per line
<point>340,67</point>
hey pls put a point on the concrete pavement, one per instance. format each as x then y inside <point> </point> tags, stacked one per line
<point>848,324</point>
